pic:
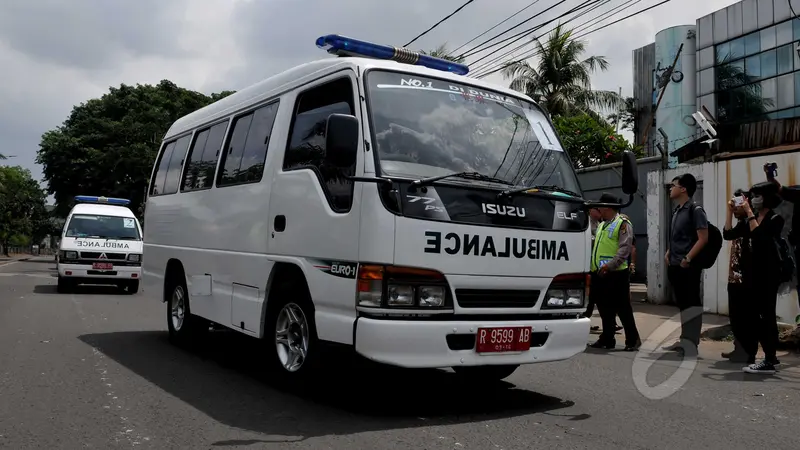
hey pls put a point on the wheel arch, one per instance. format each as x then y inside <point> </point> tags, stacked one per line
<point>174,269</point>
<point>285,272</point>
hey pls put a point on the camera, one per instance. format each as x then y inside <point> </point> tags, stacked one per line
<point>772,169</point>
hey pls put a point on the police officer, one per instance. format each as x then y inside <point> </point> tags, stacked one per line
<point>611,285</point>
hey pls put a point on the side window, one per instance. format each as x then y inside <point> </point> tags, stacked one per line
<point>306,148</point>
<point>173,177</point>
<point>247,149</point>
<point>202,158</point>
<point>157,184</point>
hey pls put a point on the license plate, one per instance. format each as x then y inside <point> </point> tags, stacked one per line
<point>102,266</point>
<point>503,340</point>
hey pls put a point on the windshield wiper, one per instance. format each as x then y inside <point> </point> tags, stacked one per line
<point>550,188</point>
<point>127,238</point>
<point>466,175</point>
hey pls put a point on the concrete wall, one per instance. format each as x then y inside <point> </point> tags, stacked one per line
<point>607,178</point>
<point>719,181</point>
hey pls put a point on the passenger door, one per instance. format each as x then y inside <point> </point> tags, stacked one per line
<point>314,208</point>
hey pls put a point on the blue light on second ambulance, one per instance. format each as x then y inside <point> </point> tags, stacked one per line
<point>102,200</point>
<point>344,46</point>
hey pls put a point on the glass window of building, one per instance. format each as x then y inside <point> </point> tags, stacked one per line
<point>769,64</point>
<point>752,44</point>
<point>752,67</point>
<point>737,48</point>
<point>723,52</point>
<point>796,28</point>
<point>783,32</point>
<point>769,93</point>
<point>785,95</point>
<point>768,38</point>
<point>707,81</point>
<point>797,88</point>
<point>785,59</point>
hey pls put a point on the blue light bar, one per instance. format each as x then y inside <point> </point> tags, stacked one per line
<point>103,200</point>
<point>344,46</point>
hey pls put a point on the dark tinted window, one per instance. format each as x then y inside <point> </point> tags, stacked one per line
<point>307,144</point>
<point>173,178</point>
<point>157,184</point>
<point>203,158</point>
<point>247,150</point>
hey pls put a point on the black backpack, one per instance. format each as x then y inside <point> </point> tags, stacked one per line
<point>708,255</point>
<point>785,259</point>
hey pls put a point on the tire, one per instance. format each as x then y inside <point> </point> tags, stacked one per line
<point>133,287</point>
<point>64,285</point>
<point>486,373</point>
<point>293,353</point>
<point>184,328</point>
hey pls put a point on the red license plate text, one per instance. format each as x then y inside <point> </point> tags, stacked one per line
<point>503,339</point>
<point>102,266</point>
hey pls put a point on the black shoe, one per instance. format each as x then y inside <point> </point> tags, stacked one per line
<point>618,328</point>
<point>634,347</point>
<point>595,328</point>
<point>764,367</point>
<point>676,347</point>
<point>603,345</point>
<point>737,356</point>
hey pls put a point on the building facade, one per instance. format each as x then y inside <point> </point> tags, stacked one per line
<point>748,67</point>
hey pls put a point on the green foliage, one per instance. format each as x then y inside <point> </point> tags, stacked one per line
<point>23,215</point>
<point>107,146</point>
<point>560,81</point>
<point>590,142</point>
<point>626,116</point>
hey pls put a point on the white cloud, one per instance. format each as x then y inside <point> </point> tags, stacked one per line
<point>55,54</point>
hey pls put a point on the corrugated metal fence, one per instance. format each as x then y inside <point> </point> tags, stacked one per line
<point>608,178</point>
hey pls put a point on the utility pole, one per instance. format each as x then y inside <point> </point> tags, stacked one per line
<point>619,113</point>
<point>667,76</point>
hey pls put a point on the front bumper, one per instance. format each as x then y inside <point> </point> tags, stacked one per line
<point>85,271</point>
<point>425,344</point>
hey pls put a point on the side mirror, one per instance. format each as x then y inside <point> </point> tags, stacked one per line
<point>341,140</point>
<point>630,173</point>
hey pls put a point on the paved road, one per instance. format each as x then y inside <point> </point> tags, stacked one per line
<point>94,370</point>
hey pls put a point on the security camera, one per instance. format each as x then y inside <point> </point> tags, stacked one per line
<point>704,123</point>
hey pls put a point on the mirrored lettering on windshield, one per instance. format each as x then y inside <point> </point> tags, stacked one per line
<point>425,127</point>
<point>102,227</point>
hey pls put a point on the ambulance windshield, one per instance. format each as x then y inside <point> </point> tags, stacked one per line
<point>425,127</point>
<point>103,227</point>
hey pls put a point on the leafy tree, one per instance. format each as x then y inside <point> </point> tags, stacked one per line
<point>107,145</point>
<point>22,203</point>
<point>443,53</point>
<point>626,116</point>
<point>560,81</point>
<point>590,142</point>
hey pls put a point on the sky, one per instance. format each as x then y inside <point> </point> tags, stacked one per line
<point>55,54</point>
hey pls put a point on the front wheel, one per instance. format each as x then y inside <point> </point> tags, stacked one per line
<point>293,336</point>
<point>182,325</point>
<point>64,285</point>
<point>486,373</point>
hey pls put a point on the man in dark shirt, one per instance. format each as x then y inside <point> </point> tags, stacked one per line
<point>688,236</point>
<point>790,194</point>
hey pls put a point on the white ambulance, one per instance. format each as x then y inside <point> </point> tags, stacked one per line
<point>379,200</point>
<point>101,243</point>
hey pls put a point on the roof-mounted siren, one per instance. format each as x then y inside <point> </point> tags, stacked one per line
<point>344,46</point>
<point>102,200</point>
<point>706,121</point>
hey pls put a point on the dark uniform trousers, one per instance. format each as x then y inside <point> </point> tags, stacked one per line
<point>612,295</point>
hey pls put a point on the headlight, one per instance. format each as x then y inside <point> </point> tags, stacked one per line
<point>431,296</point>
<point>568,291</point>
<point>134,258</point>
<point>401,288</point>
<point>400,295</point>
<point>70,255</point>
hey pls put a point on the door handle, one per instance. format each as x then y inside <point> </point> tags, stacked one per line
<point>280,223</point>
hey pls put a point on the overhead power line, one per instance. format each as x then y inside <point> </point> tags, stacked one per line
<point>533,53</point>
<point>496,25</point>
<point>525,44</point>
<point>439,22</point>
<point>584,25</point>
<point>478,48</point>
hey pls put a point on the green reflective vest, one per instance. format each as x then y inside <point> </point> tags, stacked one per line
<point>606,244</point>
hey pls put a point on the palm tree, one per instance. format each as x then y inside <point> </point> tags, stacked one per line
<point>739,97</point>
<point>560,81</point>
<point>443,53</point>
